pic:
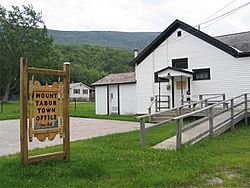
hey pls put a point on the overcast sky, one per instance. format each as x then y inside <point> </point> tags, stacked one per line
<point>136,15</point>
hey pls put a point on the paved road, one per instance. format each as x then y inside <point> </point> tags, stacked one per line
<point>80,129</point>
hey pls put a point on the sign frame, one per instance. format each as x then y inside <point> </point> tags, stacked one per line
<point>24,72</point>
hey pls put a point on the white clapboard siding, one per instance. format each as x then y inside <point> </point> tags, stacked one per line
<point>127,99</point>
<point>144,84</point>
<point>229,75</point>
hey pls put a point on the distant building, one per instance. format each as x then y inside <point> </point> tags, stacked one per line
<point>80,91</point>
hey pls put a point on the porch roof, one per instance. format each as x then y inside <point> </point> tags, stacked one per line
<point>173,72</point>
<point>118,78</point>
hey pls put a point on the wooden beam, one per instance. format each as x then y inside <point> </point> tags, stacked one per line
<point>46,156</point>
<point>23,109</point>
<point>33,70</point>
<point>66,123</point>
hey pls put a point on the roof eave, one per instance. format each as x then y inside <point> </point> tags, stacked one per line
<point>175,69</point>
<point>244,54</point>
<point>104,84</point>
<point>169,30</point>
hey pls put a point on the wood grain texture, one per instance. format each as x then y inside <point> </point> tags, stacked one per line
<point>23,109</point>
<point>33,70</point>
<point>46,156</point>
<point>66,138</point>
<point>63,129</point>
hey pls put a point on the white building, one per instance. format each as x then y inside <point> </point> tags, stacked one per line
<point>79,91</point>
<point>183,61</point>
<point>115,94</point>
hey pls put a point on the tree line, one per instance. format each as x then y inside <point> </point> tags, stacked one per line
<point>23,33</point>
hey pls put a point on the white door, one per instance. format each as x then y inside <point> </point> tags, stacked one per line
<point>113,99</point>
<point>180,89</point>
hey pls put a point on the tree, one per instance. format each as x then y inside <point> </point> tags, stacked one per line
<point>22,34</point>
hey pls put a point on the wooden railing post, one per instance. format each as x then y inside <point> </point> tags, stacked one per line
<point>179,125</point>
<point>180,111</point>
<point>201,103</point>
<point>149,112</point>
<point>142,131</point>
<point>168,101</point>
<point>211,122</point>
<point>246,113</point>
<point>224,98</point>
<point>206,104</point>
<point>156,105</point>
<point>232,114</point>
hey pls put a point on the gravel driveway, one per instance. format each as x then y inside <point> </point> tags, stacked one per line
<point>80,129</point>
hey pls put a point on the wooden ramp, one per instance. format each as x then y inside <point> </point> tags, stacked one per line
<point>200,131</point>
<point>214,120</point>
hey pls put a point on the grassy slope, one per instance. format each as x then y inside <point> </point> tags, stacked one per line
<point>118,161</point>
<point>87,110</point>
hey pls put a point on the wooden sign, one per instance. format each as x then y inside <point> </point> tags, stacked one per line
<point>46,108</point>
<point>48,111</point>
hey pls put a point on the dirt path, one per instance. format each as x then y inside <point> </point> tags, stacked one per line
<point>80,129</point>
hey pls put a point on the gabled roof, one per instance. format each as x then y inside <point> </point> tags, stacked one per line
<point>240,41</point>
<point>72,85</point>
<point>119,78</point>
<point>203,36</point>
<point>175,69</point>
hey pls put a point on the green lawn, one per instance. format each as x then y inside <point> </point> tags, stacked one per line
<point>87,110</point>
<point>118,161</point>
<point>83,109</point>
<point>11,110</point>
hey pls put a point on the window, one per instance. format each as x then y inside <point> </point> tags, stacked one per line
<point>201,74</point>
<point>180,63</point>
<point>85,91</point>
<point>157,79</point>
<point>76,91</point>
<point>178,33</point>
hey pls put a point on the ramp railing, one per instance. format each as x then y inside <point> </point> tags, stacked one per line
<point>236,106</point>
<point>179,110</point>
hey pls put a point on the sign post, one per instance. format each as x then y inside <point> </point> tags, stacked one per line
<point>50,106</point>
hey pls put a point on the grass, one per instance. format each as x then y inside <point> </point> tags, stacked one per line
<point>118,161</point>
<point>11,110</point>
<point>83,109</point>
<point>87,110</point>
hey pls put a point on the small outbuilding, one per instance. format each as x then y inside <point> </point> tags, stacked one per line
<point>116,94</point>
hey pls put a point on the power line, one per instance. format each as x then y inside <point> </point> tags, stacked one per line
<point>219,18</point>
<point>226,14</point>
<point>218,11</point>
<point>217,21</point>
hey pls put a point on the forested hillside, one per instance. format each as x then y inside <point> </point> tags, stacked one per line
<point>90,63</point>
<point>124,40</point>
<point>22,36</point>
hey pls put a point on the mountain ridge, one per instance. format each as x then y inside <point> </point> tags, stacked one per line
<point>113,39</point>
